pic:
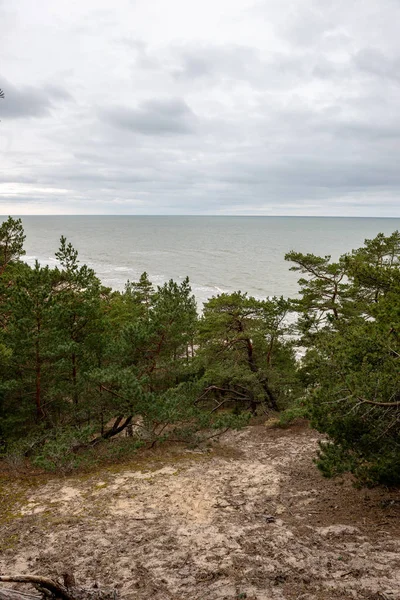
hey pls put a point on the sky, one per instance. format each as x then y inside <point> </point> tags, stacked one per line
<point>239,107</point>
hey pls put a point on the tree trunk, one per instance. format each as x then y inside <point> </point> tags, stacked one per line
<point>39,410</point>
<point>271,396</point>
<point>272,401</point>
<point>75,393</point>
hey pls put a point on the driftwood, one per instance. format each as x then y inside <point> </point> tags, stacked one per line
<point>53,590</point>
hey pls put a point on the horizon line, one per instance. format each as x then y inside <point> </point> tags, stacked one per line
<point>202,216</point>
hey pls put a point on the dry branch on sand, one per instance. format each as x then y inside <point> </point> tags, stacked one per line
<point>50,589</point>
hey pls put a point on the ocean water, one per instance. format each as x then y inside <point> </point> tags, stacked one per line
<point>219,254</point>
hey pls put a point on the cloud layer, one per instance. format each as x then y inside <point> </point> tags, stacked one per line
<point>218,107</point>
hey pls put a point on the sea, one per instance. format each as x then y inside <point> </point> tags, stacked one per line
<point>218,253</point>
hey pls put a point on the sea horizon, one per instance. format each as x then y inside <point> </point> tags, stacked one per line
<point>201,216</point>
<point>219,253</point>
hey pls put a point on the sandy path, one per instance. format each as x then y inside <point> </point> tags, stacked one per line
<point>257,524</point>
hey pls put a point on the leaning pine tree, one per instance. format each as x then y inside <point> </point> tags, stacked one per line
<point>350,323</point>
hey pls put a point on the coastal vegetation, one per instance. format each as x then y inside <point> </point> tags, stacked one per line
<point>82,364</point>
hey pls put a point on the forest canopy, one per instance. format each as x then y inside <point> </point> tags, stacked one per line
<point>81,364</point>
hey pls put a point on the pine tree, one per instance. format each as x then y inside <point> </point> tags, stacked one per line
<point>244,351</point>
<point>11,242</point>
<point>351,367</point>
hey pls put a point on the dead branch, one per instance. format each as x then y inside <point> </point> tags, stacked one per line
<point>58,590</point>
<point>49,588</point>
<point>376,403</point>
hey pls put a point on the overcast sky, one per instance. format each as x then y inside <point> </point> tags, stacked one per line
<point>275,107</point>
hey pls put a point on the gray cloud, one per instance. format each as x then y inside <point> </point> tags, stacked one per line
<point>231,65</point>
<point>232,61</point>
<point>26,101</point>
<point>374,62</point>
<point>152,117</point>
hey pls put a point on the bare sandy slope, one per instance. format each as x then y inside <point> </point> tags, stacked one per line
<point>252,519</point>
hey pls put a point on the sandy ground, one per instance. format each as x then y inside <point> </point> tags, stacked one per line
<point>251,519</point>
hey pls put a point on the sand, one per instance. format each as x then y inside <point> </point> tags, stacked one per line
<point>251,518</point>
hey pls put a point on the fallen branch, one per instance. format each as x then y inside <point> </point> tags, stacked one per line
<point>49,588</point>
<point>56,589</point>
